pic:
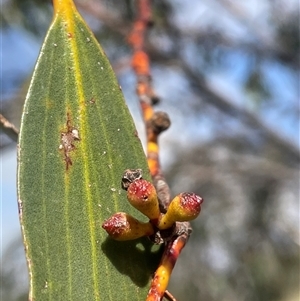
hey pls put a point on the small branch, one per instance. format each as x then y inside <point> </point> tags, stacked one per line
<point>155,122</point>
<point>8,128</point>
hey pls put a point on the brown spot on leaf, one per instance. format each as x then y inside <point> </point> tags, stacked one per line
<point>67,140</point>
<point>49,104</point>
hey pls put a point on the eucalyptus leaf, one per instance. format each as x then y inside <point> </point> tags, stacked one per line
<point>77,137</point>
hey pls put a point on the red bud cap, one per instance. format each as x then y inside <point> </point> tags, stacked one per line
<point>189,204</point>
<point>142,195</point>
<point>184,207</point>
<point>122,226</point>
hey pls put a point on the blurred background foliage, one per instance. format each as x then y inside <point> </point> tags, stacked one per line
<point>227,72</point>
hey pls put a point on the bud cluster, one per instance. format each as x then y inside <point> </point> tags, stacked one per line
<point>142,195</point>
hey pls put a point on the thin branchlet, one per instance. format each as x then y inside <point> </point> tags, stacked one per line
<point>155,123</point>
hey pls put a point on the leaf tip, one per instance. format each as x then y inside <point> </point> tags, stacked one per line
<point>63,6</point>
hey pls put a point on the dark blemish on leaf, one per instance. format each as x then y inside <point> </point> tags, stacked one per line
<point>67,139</point>
<point>129,176</point>
<point>70,35</point>
<point>49,104</point>
<point>136,134</point>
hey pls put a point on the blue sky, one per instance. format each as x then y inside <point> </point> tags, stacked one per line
<point>9,208</point>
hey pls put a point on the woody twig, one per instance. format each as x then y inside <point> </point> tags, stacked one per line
<point>155,122</point>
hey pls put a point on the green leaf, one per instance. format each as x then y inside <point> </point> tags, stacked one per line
<point>68,186</point>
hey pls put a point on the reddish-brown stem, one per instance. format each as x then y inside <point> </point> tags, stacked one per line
<point>155,123</point>
<point>171,253</point>
<point>141,66</point>
<point>147,98</point>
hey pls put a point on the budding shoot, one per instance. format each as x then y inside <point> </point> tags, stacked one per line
<point>122,226</point>
<point>142,195</point>
<point>184,207</point>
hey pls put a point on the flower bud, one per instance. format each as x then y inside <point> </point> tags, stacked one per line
<point>160,122</point>
<point>184,207</point>
<point>122,226</point>
<point>142,195</point>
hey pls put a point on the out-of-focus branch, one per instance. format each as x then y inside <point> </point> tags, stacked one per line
<point>269,44</point>
<point>200,165</point>
<point>155,122</point>
<point>8,128</point>
<point>222,102</point>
